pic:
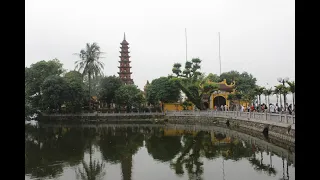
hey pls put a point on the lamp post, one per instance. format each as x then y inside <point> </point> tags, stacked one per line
<point>283,81</point>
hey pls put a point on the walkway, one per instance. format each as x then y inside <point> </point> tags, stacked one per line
<point>267,118</point>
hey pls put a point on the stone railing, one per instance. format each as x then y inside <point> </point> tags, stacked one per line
<point>253,116</point>
<point>105,114</point>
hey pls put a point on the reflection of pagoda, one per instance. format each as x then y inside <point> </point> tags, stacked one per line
<point>124,68</point>
<point>145,93</point>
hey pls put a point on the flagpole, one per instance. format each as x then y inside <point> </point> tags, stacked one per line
<point>219,54</point>
<point>186,45</point>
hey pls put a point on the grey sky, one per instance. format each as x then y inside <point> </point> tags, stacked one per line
<point>256,36</point>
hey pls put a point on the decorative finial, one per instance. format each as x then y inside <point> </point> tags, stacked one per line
<point>124,38</point>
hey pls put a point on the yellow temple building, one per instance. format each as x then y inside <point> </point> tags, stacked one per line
<point>179,132</point>
<point>221,96</point>
<point>217,98</point>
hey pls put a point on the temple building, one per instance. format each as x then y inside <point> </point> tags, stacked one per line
<point>124,68</point>
<point>221,96</point>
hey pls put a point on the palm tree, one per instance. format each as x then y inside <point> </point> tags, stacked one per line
<point>268,93</point>
<point>292,89</point>
<point>277,91</point>
<point>284,90</point>
<point>90,63</point>
<point>265,95</point>
<point>94,170</point>
<point>258,91</point>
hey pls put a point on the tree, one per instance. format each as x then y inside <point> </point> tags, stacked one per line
<point>230,76</point>
<point>249,96</point>
<point>95,84</point>
<point>108,86</point>
<point>191,83</point>
<point>129,95</point>
<point>244,82</point>
<point>163,148</point>
<point>239,96</point>
<point>231,98</point>
<point>285,90</point>
<point>90,63</point>
<point>162,89</point>
<point>35,76</point>
<point>119,145</point>
<point>213,78</point>
<point>72,76</point>
<point>282,90</point>
<point>292,89</point>
<point>258,91</point>
<point>265,95</point>
<point>268,93</point>
<point>75,91</point>
<point>276,91</point>
<point>53,93</point>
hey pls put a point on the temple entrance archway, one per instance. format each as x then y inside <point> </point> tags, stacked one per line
<point>219,100</point>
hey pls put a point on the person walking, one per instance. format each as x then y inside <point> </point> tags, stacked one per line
<point>290,109</point>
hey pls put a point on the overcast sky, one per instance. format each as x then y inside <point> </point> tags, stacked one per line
<point>256,36</point>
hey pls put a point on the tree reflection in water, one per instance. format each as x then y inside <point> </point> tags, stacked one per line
<point>119,145</point>
<point>49,150</point>
<point>95,169</point>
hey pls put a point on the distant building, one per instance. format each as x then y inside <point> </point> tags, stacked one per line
<point>124,68</point>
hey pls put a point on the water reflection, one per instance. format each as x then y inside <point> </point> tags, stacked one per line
<point>49,151</point>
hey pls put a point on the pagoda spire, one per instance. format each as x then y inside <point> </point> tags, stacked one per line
<point>124,68</point>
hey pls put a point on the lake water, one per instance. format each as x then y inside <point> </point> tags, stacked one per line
<point>67,152</point>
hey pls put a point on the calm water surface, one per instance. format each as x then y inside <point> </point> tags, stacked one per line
<point>150,153</point>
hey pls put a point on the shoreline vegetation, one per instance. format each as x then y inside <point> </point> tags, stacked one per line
<point>49,88</point>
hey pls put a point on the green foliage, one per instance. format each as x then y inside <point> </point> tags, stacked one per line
<point>213,78</point>
<point>163,148</point>
<point>89,63</point>
<point>282,89</point>
<point>73,76</point>
<point>186,104</point>
<point>47,90</point>
<point>53,93</point>
<point>268,92</point>
<point>259,91</point>
<point>94,84</point>
<point>277,90</point>
<point>249,96</point>
<point>108,87</point>
<point>190,69</point>
<point>192,82</point>
<point>75,92</point>
<point>231,97</point>
<point>244,82</point>
<point>162,89</point>
<point>238,96</point>
<point>129,95</point>
<point>291,86</point>
<point>35,76</point>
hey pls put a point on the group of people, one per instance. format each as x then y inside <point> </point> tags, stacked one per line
<point>272,108</point>
<point>261,108</point>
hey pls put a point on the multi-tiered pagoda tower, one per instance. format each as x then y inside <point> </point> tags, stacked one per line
<point>124,68</point>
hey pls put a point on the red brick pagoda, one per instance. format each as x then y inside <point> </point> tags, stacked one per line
<point>124,68</point>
